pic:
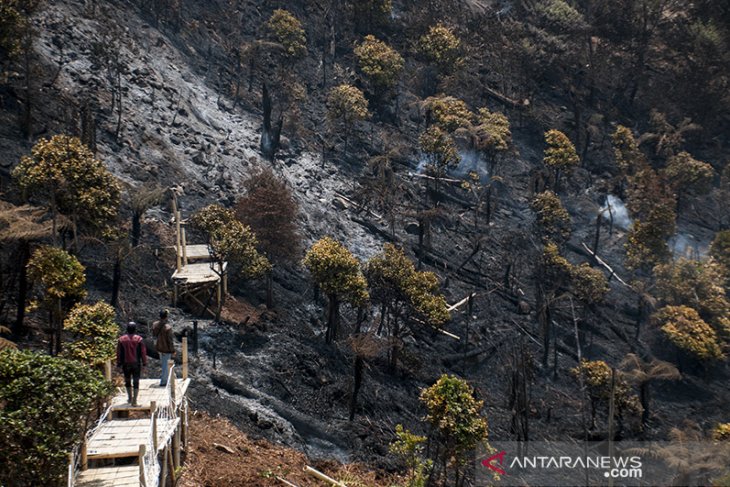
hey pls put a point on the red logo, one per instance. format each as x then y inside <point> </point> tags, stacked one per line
<point>500,458</point>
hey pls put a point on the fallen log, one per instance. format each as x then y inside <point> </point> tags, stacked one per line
<point>505,99</point>
<point>456,357</point>
<point>461,303</point>
<point>323,477</point>
<point>608,267</point>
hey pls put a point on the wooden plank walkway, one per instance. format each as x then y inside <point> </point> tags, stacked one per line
<point>120,438</point>
<point>195,252</point>
<point>109,476</point>
<point>149,390</point>
<point>197,273</point>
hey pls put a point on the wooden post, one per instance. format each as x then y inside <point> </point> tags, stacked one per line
<point>218,294</point>
<point>71,472</point>
<point>225,282</point>
<point>185,358</point>
<point>84,455</point>
<point>153,411</point>
<point>184,421</point>
<point>171,463</point>
<point>108,369</point>
<point>163,472</point>
<point>176,447</point>
<point>173,386</point>
<point>174,295</point>
<point>140,460</point>
<point>184,247</point>
<point>176,213</point>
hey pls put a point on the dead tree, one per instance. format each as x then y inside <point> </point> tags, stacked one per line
<point>270,136</point>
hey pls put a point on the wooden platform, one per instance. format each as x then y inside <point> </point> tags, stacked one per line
<point>120,438</point>
<point>109,476</point>
<point>149,390</point>
<point>198,273</point>
<point>196,252</point>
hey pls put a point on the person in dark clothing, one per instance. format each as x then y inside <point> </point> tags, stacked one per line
<point>165,345</point>
<point>131,357</point>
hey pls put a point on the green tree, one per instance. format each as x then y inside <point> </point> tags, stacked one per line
<point>721,432</point>
<point>720,249</point>
<point>457,425</point>
<point>346,105</point>
<point>12,25</point>
<point>688,175</point>
<point>64,174</point>
<point>596,377</point>
<point>287,30</point>
<point>552,219</point>
<point>643,373</point>
<point>270,210</point>
<point>60,277</point>
<point>379,62</point>
<point>560,154</point>
<point>447,112</point>
<point>95,333</point>
<point>337,273</point>
<point>491,133</point>
<point>626,151</point>
<point>46,404</point>
<point>646,244</point>
<point>442,47</point>
<point>230,241</point>
<point>410,449</point>
<point>698,285</point>
<point>684,328</point>
<point>441,154</point>
<point>589,285</point>
<point>404,295</point>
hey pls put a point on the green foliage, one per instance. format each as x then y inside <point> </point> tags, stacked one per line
<point>347,104</point>
<point>596,375</point>
<point>231,241</point>
<point>395,282</point>
<point>60,276</point>
<point>492,131</point>
<point>589,284</point>
<point>44,403</point>
<point>287,30</point>
<point>683,327</point>
<point>440,150</point>
<point>557,271</point>
<point>685,173</point>
<point>559,15</point>
<point>698,285</point>
<point>646,244</point>
<point>12,25</point>
<point>448,113</point>
<point>560,153</point>
<point>410,449</point>
<point>720,249</point>
<point>442,47</point>
<point>379,62</point>
<point>551,217</point>
<point>95,331</point>
<point>63,173</point>
<point>721,432</point>
<point>337,271</point>
<point>455,416</point>
<point>626,151</point>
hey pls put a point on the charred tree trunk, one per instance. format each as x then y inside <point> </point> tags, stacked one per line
<point>136,228</point>
<point>356,385</point>
<point>116,280</point>
<point>18,326</point>
<point>333,318</point>
<point>269,290</point>
<point>270,135</point>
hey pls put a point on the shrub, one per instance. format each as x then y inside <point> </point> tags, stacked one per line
<point>95,330</point>
<point>684,328</point>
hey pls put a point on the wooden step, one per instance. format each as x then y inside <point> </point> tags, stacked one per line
<point>120,438</point>
<point>127,476</point>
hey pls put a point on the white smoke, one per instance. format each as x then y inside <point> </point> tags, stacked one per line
<point>471,161</point>
<point>614,207</point>
<point>687,246</point>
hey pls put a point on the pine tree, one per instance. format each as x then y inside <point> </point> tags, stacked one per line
<point>560,155</point>
<point>337,273</point>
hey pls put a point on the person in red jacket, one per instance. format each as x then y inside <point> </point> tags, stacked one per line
<point>131,357</point>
